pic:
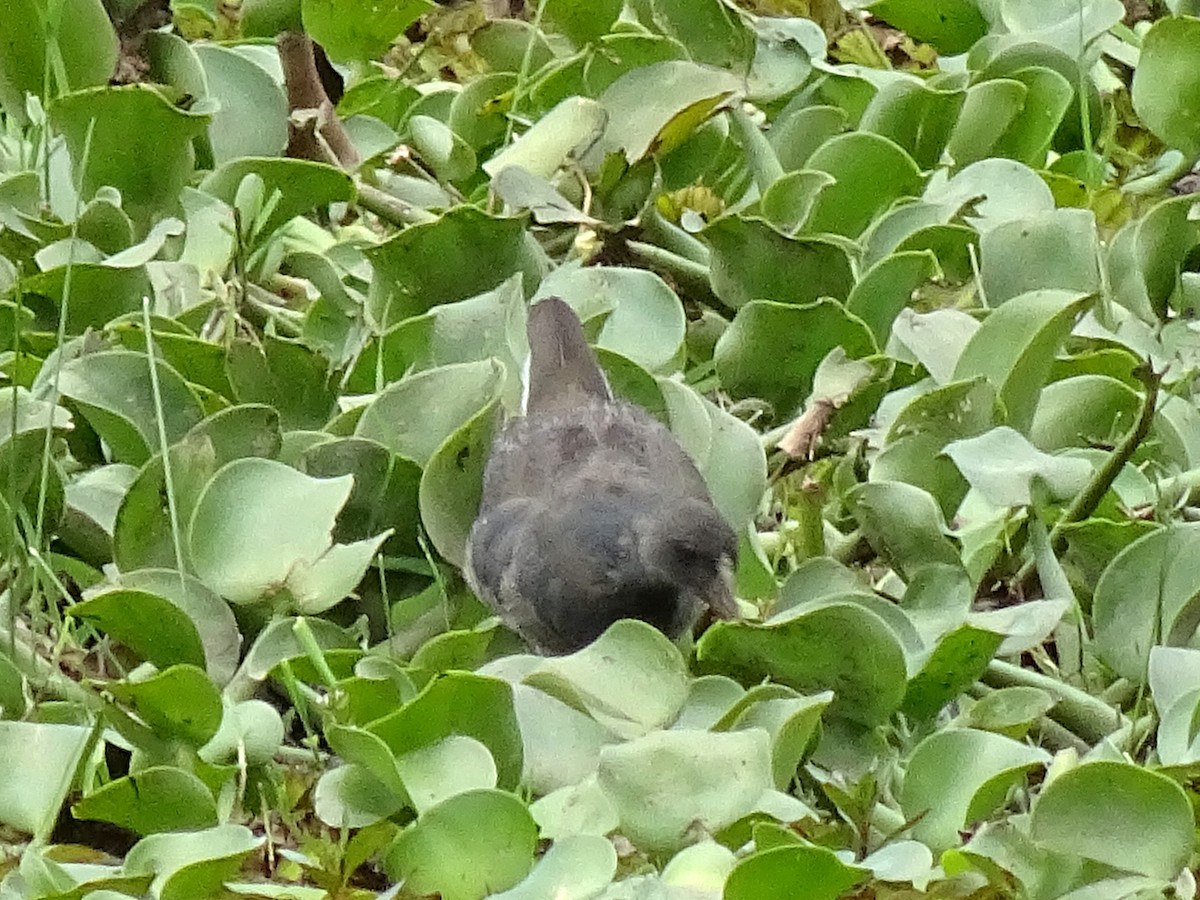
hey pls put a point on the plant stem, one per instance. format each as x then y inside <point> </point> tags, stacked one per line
<point>1084,715</point>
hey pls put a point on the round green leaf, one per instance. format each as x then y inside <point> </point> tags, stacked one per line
<point>957,776</point>
<point>158,799</point>
<point>1119,814</point>
<point>792,873</point>
<point>447,852</point>
<point>665,782</point>
<point>1166,82</point>
<point>43,757</point>
<point>180,703</point>
<point>841,647</point>
<point>112,389</point>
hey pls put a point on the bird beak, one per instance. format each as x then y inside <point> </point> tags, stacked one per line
<point>721,601</point>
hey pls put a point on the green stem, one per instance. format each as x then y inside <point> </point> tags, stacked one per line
<point>1084,715</point>
<point>1087,500</point>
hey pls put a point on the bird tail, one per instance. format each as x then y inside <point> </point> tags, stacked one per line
<point>563,372</point>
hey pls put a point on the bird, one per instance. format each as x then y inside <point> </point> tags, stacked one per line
<point>591,510</point>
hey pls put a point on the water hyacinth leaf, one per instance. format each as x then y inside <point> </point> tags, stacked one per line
<point>454,765</point>
<point>1008,711</point>
<point>566,131</point>
<point>192,864</point>
<point>452,484</point>
<point>887,288</point>
<point>158,799</point>
<point>46,755</point>
<point>814,650</point>
<point>1153,580</point>
<point>277,643</point>
<point>416,415</point>
<point>142,533</point>
<point>1165,83</point>
<point>652,109</point>
<point>150,625</point>
<point>751,260</point>
<point>285,375</point>
<point>1083,411</point>
<point>772,350</point>
<point>665,781</point>
<point>245,540</point>
<point>80,36</point>
<point>1059,249</point>
<point>1144,826</point>
<point>521,189</point>
<point>349,796</point>
<point>461,703</point>
<point>561,744</point>
<point>789,201</point>
<point>91,511</point>
<point>789,718</point>
<point>952,26</point>
<point>349,31</point>
<point>462,254</point>
<point>252,119</point>
<point>959,776</point>
<point>447,155</point>
<point>596,679</point>
<point>251,730</point>
<point>180,701</point>
<point>646,323</point>
<point>1003,465</point>
<point>904,524</point>
<point>954,664</point>
<point>301,186</point>
<point>870,171</point>
<point>447,853</point>
<point>574,868</point>
<point>713,34</point>
<point>113,391</point>
<point>143,124</point>
<point>1016,345</point>
<point>809,872</point>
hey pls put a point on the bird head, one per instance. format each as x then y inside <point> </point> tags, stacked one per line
<point>691,545</point>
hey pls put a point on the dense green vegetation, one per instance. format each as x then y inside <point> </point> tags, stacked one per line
<point>914,284</point>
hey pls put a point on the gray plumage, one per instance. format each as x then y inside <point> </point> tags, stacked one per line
<point>591,509</point>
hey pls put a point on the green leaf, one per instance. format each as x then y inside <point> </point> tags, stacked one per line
<point>134,123</point>
<point>77,36</point>
<point>582,21</point>
<point>838,646</point>
<point>950,25</point>
<point>1016,345</point>
<point>303,186</point>
<point>803,873</point>
<point>1165,82</point>
<point>574,868</point>
<point>195,864</point>
<point>180,703</point>
<point>904,525</point>
<point>1003,466</point>
<point>447,853</point>
<point>871,172</point>
<point>665,781</point>
<point>959,776</point>
<point>246,541</point>
<point>462,254</point>
<point>113,391</point>
<point>150,625</point>
<point>652,109</point>
<point>158,799</point>
<point>1147,595</point>
<point>596,679</point>
<point>253,115</point>
<point>459,703</point>
<point>1142,824</point>
<point>348,30</point>
<point>753,261</point>
<point>45,755</point>
<point>772,350</point>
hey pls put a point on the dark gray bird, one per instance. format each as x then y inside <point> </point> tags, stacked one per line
<point>592,511</point>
